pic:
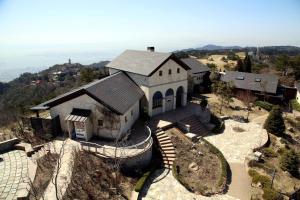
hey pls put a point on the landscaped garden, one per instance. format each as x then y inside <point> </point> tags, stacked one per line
<point>199,166</point>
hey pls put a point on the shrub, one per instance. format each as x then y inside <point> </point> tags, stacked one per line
<point>140,183</point>
<point>295,105</point>
<point>219,124</point>
<point>265,105</point>
<point>275,123</point>
<point>203,103</point>
<point>289,161</point>
<point>268,152</point>
<point>271,194</point>
<point>252,172</point>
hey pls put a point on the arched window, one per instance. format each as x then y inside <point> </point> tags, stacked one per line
<point>157,100</point>
<point>169,92</point>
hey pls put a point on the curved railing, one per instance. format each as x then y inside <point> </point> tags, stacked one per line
<point>120,151</point>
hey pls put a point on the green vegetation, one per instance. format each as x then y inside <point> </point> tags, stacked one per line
<point>219,124</point>
<point>224,91</point>
<point>141,182</point>
<point>269,152</point>
<point>265,105</point>
<point>247,64</point>
<point>275,123</point>
<point>289,161</point>
<point>265,181</point>
<point>240,65</point>
<point>232,56</point>
<point>212,66</point>
<point>295,105</point>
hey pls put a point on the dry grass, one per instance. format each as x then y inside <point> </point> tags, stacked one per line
<point>205,179</point>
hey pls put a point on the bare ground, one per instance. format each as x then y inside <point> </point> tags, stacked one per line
<point>205,179</point>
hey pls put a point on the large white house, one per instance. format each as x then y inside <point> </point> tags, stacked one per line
<point>139,81</point>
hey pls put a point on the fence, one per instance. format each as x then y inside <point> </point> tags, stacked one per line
<point>120,151</point>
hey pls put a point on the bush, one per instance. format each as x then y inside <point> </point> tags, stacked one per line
<point>140,183</point>
<point>271,194</point>
<point>265,105</point>
<point>275,123</point>
<point>289,161</point>
<point>268,152</point>
<point>219,124</point>
<point>252,173</point>
<point>295,105</point>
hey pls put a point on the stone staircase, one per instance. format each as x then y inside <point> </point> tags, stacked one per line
<point>196,127</point>
<point>167,149</point>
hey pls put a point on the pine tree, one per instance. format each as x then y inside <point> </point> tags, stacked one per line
<point>247,64</point>
<point>275,123</point>
<point>289,162</point>
<point>240,65</point>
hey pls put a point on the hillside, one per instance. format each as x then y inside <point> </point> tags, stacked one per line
<point>18,95</point>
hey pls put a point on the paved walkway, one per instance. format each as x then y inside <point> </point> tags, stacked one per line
<point>65,172</point>
<point>236,146</point>
<point>14,175</point>
<point>163,186</point>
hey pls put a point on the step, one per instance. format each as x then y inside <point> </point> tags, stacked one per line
<point>168,159</point>
<point>167,145</point>
<point>165,142</point>
<point>162,136</point>
<point>164,139</point>
<point>167,166</point>
<point>160,133</point>
<point>168,162</point>
<point>167,148</point>
<point>168,155</point>
<point>169,152</point>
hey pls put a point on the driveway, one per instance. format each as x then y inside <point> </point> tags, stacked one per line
<point>236,146</point>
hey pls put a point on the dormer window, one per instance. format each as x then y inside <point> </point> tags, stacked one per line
<point>178,70</point>
<point>257,80</point>
<point>240,78</point>
<point>170,71</point>
<point>160,73</point>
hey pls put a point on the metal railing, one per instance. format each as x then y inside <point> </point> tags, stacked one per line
<point>120,151</point>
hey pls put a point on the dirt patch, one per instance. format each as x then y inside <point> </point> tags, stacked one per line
<point>43,176</point>
<point>197,168</point>
<point>94,178</point>
<point>238,129</point>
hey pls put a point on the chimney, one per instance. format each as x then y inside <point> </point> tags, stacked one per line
<point>151,49</point>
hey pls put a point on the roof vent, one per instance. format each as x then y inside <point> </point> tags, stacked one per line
<point>151,49</point>
<point>257,80</point>
<point>240,78</point>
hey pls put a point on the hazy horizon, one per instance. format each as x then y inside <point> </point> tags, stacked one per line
<point>37,34</point>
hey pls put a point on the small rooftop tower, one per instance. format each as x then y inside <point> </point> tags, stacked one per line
<point>151,49</point>
<point>69,61</point>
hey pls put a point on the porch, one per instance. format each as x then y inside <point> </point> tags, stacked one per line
<point>136,142</point>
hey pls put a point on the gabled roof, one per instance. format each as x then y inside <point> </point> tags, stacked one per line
<point>143,62</point>
<point>195,65</point>
<point>250,81</point>
<point>117,92</point>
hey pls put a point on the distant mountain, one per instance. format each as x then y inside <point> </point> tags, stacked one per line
<point>212,47</point>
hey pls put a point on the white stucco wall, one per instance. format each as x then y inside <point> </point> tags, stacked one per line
<point>113,124</point>
<point>125,126</point>
<point>298,96</point>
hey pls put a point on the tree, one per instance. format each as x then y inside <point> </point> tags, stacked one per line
<point>275,123</point>
<point>225,92</point>
<point>247,64</point>
<point>289,161</point>
<point>248,99</point>
<point>87,75</point>
<point>240,65</point>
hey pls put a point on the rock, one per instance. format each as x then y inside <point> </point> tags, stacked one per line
<point>291,129</point>
<point>193,166</point>
<point>200,153</point>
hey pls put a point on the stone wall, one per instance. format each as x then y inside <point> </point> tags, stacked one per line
<point>8,144</point>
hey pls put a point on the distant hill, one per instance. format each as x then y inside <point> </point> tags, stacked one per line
<point>212,47</point>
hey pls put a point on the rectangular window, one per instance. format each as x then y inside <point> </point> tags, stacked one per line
<point>170,71</point>
<point>100,123</point>
<point>178,70</point>
<point>160,73</point>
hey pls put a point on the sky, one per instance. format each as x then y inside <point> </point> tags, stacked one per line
<point>35,34</point>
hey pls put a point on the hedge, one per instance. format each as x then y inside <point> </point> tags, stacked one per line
<point>265,105</point>
<point>219,124</point>
<point>295,105</point>
<point>141,182</point>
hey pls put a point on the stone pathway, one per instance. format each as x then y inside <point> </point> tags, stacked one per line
<point>163,186</point>
<point>14,174</point>
<point>236,146</point>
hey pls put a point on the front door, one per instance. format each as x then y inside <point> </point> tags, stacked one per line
<point>80,130</point>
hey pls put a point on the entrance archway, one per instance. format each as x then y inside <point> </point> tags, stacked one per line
<point>157,101</point>
<point>169,100</point>
<point>179,96</point>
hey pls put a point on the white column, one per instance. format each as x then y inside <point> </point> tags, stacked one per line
<point>174,103</point>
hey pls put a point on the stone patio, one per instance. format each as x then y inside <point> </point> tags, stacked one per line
<point>14,174</point>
